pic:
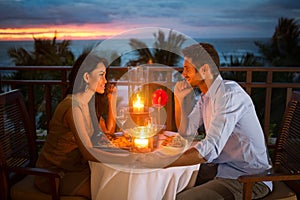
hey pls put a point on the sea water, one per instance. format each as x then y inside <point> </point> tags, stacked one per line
<point>225,46</point>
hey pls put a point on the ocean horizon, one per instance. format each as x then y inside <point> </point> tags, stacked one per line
<point>225,47</point>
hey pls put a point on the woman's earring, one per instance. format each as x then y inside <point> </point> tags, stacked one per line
<point>86,88</point>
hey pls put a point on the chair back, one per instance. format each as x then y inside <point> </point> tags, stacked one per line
<point>287,152</point>
<point>17,139</point>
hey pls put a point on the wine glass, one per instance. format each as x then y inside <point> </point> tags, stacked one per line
<point>122,116</point>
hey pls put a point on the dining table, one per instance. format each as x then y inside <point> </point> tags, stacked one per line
<point>142,175</point>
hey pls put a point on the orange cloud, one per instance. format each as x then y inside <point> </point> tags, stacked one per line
<point>70,32</point>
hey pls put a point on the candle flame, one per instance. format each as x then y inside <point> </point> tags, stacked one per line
<point>138,104</point>
<point>149,124</point>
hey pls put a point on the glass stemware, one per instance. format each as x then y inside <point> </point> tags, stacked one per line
<point>122,116</point>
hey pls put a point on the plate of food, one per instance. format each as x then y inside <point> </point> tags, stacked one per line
<point>173,144</point>
<point>117,142</point>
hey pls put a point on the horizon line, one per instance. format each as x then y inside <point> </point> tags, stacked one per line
<point>107,38</point>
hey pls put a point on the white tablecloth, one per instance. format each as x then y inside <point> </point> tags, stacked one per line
<point>112,184</point>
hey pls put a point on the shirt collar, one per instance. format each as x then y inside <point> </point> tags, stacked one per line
<point>212,90</point>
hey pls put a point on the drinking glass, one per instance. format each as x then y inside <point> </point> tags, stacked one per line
<point>122,116</point>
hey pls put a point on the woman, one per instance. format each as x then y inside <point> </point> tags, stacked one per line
<point>71,128</point>
<point>104,104</point>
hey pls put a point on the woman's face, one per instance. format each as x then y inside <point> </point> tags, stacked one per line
<point>97,79</point>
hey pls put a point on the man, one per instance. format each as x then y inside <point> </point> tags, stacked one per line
<point>234,137</point>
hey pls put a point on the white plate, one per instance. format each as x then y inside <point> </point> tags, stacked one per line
<point>170,133</point>
<point>170,150</point>
<point>118,133</point>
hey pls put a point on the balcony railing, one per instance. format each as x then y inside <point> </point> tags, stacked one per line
<point>248,83</point>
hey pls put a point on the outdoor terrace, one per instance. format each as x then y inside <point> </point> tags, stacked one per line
<point>245,76</point>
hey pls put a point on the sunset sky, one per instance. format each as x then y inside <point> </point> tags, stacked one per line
<point>95,19</point>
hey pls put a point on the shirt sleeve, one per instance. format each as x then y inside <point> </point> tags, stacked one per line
<point>195,119</point>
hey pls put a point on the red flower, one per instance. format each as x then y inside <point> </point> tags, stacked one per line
<point>159,98</point>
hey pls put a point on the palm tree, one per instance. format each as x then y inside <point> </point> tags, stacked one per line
<point>165,51</point>
<point>46,53</point>
<point>283,48</point>
<point>248,59</point>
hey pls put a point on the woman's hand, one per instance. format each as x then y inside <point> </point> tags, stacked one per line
<point>109,125</point>
<point>111,91</point>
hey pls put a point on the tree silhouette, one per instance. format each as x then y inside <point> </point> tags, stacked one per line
<point>283,49</point>
<point>166,51</point>
<point>46,53</point>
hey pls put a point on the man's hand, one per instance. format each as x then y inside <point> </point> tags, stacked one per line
<point>189,157</point>
<point>182,89</point>
<point>184,98</point>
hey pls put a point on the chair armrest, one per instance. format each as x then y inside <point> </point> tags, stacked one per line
<point>53,176</point>
<point>40,141</point>
<point>249,180</point>
<point>268,177</point>
<point>35,171</point>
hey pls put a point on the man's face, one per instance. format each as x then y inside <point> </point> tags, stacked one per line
<point>190,73</point>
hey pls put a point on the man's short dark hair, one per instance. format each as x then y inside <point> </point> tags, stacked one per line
<point>203,53</point>
<point>210,49</point>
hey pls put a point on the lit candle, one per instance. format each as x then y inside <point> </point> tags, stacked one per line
<point>149,123</point>
<point>141,142</point>
<point>138,105</point>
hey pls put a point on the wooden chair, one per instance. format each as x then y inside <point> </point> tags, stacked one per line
<point>18,153</point>
<point>286,162</point>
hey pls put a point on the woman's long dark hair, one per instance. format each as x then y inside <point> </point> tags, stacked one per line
<point>101,102</point>
<point>84,63</point>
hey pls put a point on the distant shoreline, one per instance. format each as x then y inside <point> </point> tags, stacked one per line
<point>195,38</point>
<point>224,46</point>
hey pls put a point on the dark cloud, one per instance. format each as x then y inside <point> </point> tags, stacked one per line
<point>18,14</point>
<point>258,18</point>
<point>190,14</point>
<point>285,4</point>
<point>22,13</point>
